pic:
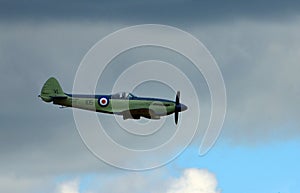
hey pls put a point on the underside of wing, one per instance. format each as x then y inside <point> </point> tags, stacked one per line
<point>138,113</point>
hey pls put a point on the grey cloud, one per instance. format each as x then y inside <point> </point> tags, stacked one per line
<point>253,75</point>
<point>259,61</point>
<point>186,11</point>
<point>38,140</point>
<point>13,183</point>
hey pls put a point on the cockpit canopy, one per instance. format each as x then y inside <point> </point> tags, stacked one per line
<point>122,95</point>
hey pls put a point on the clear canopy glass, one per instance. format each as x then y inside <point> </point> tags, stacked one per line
<point>122,95</point>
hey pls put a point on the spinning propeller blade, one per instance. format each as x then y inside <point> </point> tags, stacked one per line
<point>177,107</point>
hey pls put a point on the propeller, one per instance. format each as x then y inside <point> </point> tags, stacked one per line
<point>177,107</point>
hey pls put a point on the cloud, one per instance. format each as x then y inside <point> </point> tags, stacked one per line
<point>69,187</point>
<point>146,11</point>
<point>259,60</point>
<point>194,181</point>
<point>260,69</point>
<point>153,181</point>
<point>15,183</point>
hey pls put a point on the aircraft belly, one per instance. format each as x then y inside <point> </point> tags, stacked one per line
<point>148,109</point>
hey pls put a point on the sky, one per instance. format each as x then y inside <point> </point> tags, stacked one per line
<point>256,45</point>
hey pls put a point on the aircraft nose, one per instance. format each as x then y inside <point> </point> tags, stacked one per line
<point>183,107</point>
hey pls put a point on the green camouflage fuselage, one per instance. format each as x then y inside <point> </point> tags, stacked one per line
<point>125,104</point>
<point>134,107</point>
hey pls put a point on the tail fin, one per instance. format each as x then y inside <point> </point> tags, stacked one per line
<point>52,89</point>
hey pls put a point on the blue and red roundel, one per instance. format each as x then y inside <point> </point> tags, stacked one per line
<point>103,101</point>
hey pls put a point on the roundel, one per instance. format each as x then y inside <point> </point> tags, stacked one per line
<point>103,101</point>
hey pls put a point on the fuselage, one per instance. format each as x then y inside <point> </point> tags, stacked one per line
<point>122,103</point>
<point>125,104</point>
